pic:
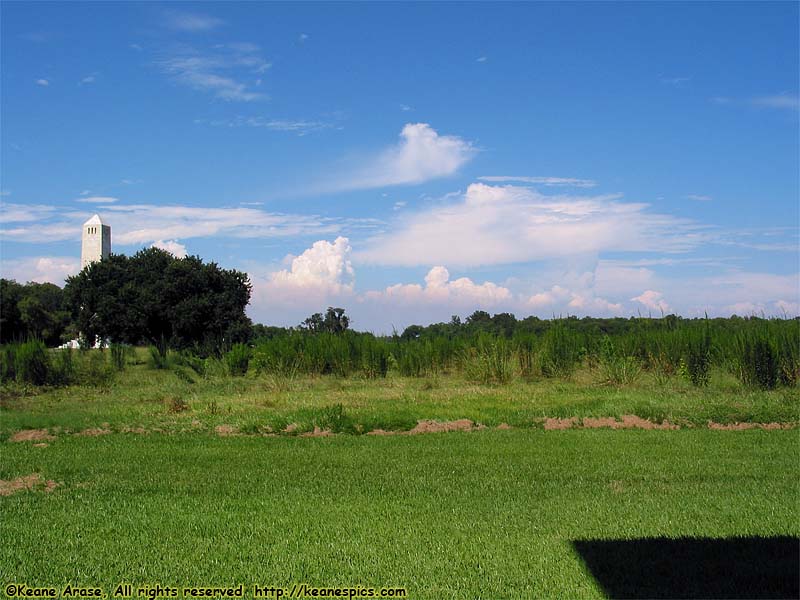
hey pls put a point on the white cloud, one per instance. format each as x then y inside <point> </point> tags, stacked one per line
<point>399,205</point>
<point>501,225</point>
<point>322,275</point>
<point>298,126</point>
<point>191,22</point>
<point>326,265</point>
<point>98,199</point>
<point>481,59</point>
<point>146,223</point>
<point>421,155</point>
<point>42,82</point>
<point>439,289</point>
<point>223,71</point>
<point>88,79</point>
<point>5,193</point>
<point>784,101</point>
<point>547,181</point>
<point>654,301</point>
<point>52,269</point>
<point>699,197</point>
<point>302,37</point>
<point>405,108</point>
<point>172,246</point>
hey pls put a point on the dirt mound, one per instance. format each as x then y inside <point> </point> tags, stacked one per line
<point>32,435</point>
<point>34,481</point>
<point>429,426</point>
<point>628,422</point>
<point>317,433</point>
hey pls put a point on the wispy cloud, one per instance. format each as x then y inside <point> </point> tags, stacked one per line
<point>42,82</point>
<point>226,70</point>
<point>302,38</point>
<point>298,126</point>
<point>98,200</point>
<point>405,108</point>
<point>780,101</point>
<point>421,155</point>
<point>88,79</point>
<point>676,81</point>
<point>481,59</point>
<point>191,22</point>
<point>547,181</point>
<point>147,223</point>
<point>699,197</point>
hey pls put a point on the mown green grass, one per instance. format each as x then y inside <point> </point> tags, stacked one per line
<point>144,397</point>
<point>465,515</point>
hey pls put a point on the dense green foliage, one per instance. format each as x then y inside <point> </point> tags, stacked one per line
<point>761,352</point>
<point>156,298</point>
<point>32,311</point>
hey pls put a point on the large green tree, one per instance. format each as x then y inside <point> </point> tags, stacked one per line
<point>166,301</point>
<point>32,311</point>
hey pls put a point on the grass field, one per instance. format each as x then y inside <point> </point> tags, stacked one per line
<point>490,514</point>
<point>521,513</point>
<point>178,399</point>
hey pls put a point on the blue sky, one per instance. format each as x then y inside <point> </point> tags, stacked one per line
<point>414,161</point>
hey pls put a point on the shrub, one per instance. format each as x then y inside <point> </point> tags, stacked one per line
<point>561,351</point>
<point>8,353</point>
<point>32,363</point>
<point>489,362</point>
<point>94,370</point>
<point>238,359</point>
<point>758,362</point>
<point>62,370</point>
<point>119,355</point>
<point>157,359</point>
<point>698,363</point>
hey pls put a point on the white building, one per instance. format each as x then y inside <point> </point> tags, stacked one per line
<point>95,241</point>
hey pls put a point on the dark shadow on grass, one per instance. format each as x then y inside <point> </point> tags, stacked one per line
<point>746,567</point>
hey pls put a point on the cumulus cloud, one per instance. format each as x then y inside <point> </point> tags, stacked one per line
<point>421,155</point>
<point>654,301</point>
<point>172,246</point>
<point>42,269</point>
<point>323,274</point>
<point>440,289</point>
<point>510,224</point>
<point>326,265</point>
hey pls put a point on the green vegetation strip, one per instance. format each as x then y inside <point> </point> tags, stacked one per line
<point>461,515</point>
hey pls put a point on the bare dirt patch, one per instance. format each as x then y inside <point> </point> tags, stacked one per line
<point>290,428</point>
<point>34,481</point>
<point>745,426</point>
<point>552,424</point>
<point>504,426</point>
<point>317,433</point>
<point>94,431</point>
<point>41,445</point>
<point>32,435</point>
<point>628,422</point>
<point>429,426</point>
<point>226,430</point>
